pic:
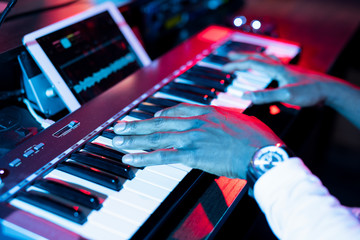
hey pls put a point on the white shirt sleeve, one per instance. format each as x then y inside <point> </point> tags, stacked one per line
<point>298,206</point>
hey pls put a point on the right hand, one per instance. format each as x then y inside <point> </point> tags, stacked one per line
<point>297,86</point>
<point>217,140</point>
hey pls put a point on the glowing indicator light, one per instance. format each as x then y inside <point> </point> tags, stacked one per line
<point>239,21</point>
<point>256,24</point>
<point>274,110</point>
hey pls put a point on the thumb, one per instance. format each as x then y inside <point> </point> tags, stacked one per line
<point>267,96</point>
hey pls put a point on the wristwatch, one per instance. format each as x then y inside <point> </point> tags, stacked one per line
<point>264,159</point>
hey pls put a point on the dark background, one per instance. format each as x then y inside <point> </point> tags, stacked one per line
<point>327,30</point>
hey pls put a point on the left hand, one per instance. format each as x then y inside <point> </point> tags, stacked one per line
<point>217,140</point>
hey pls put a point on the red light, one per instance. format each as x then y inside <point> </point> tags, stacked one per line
<point>291,106</point>
<point>222,82</point>
<point>212,90</point>
<point>206,97</point>
<point>198,229</point>
<point>274,110</point>
<point>214,34</point>
<point>84,191</point>
<point>95,169</point>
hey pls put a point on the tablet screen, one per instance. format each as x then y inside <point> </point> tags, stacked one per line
<point>91,55</point>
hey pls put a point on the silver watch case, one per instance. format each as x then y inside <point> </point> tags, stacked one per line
<point>267,157</point>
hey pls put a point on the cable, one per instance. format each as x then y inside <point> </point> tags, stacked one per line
<point>35,11</point>
<point>6,11</point>
<point>45,123</point>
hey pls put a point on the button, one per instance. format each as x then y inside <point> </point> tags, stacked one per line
<point>39,146</point>
<point>28,153</point>
<point>3,173</point>
<point>16,162</point>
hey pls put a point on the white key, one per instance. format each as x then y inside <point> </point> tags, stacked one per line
<point>236,91</point>
<point>250,83</point>
<point>241,85</point>
<point>146,189</point>
<point>136,200</point>
<point>210,65</point>
<point>128,118</point>
<point>90,229</point>
<point>156,179</point>
<point>219,103</point>
<point>253,76</point>
<point>168,171</point>
<point>181,166</point>
<point>125,211</point>
<point>172,97</point>
<point>124,195</point>
<point>242,103</point>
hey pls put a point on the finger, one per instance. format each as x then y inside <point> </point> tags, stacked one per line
<point>268,96</point>
<point>245,65</point>
<point>163,156</point>
<point>235,56</point>
<point>159,157</point>
<point>158,124</point>
<point>242,56</point>
<point>184,110</point>
<point>156,140</point>
<point>275,58</point>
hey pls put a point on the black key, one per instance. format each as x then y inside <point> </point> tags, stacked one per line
<point>219,85</point>
<point>55,206</point>
<point>150,107</point>
<point>64,190</point>
<point>136,113</point>
<point>194,88</point>
<point>103,150</point>
<point>213,73</point>
<point>108,133</point>
<point>106,151</point>
<point>212,58</point>
<point>205,99</point>
<point>162,101</point>
<point>240,47</point>
<point>103,163</point>
<point>208,77</point>
<point>92,174</point>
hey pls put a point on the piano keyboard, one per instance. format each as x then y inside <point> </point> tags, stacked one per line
<point>93,194</point>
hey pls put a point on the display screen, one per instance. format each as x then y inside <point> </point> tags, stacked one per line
<point>91,56</point>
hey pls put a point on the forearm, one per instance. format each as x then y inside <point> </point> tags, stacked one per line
<point>298,206</point>
<point>344,98</point>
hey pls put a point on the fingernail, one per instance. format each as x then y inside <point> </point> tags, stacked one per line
<point>158,113</point>
<point>118,141</point>
<point>119,127</point>
<point>128,159</point>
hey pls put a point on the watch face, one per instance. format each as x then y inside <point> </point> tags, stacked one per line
<point>268,157</point>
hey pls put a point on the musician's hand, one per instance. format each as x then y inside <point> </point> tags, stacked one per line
<point>217,140</point>
<point>297,86</point>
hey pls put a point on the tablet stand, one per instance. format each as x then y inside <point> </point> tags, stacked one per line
<point>37,87</point>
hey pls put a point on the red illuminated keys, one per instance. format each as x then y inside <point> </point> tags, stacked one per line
<point>91,174</point>
<point>103,163</point>
<point>46,202</point>
<point>64,190</point>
